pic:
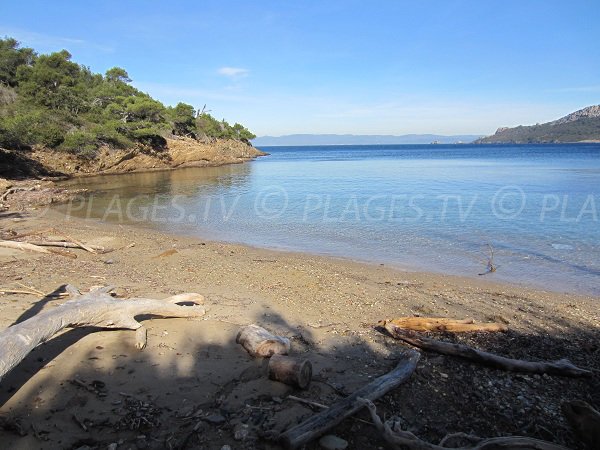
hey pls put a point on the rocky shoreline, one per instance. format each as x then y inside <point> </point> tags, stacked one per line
<point>27,178</point>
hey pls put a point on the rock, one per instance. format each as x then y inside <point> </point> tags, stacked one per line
<point>240,432</point>
<point>226,447</point>
<point>215,419</point>
<point>5,185</point>
<point>112,446</point>
<point>331,442</point>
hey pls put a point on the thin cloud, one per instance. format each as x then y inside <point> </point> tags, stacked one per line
<point>233,72</point>
<point>595,88</point>
<point>45,42</point>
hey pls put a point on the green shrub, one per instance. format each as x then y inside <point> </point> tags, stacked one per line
<point>81,143</point>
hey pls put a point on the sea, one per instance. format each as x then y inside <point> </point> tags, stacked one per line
<point>531,213</point>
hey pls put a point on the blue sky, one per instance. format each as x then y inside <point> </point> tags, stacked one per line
<point>377,67</point>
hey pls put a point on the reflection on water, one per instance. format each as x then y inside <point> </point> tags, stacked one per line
<point>423,207</point>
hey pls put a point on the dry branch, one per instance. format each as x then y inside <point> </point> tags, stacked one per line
<point>443,324</point>
<point>94,309</point>
<point>400,439</point>
<point>584,420</point>
<point>318,424</point>
<point>76,242</point>
<point>561,367</point>
<point>259,342</point>
<point>65,244</point>
<point>29,233</point>
<point>24,246</point>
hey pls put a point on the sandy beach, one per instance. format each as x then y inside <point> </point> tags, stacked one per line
<point>197,388</point>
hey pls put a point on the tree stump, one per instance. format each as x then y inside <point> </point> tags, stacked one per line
<point>293,371</point>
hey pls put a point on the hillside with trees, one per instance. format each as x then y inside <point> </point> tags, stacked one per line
<point>51,102</point>
<point>579,126</point>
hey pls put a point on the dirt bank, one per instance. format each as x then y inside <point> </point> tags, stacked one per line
<point>29,175</point>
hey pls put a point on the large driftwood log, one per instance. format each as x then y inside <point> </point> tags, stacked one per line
<point>259,342</point>
<point>292,371</point>
<point>443,324</point>
<point>585,421</point>
<point>318,424</point>
<point>400,439</point>
<point>562,367</point>
<point>94,309</point>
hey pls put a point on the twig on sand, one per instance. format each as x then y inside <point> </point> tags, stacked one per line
<point>491,266</point>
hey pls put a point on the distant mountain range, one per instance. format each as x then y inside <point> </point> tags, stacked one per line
<point>579,126</point>
<point>360,139</point>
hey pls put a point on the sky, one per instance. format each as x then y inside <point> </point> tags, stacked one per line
<point>337,66</point>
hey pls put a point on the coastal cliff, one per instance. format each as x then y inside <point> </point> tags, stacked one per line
<point>181,152</point>
<point>580,126</point>
<point>27,177</point>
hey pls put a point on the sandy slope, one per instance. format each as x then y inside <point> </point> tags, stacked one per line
<point>193,375</point>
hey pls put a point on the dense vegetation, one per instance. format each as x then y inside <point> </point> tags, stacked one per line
<point>50,101</point>
<point>580,129</point>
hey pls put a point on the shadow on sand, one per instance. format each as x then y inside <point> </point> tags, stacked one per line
<point>194,387</point>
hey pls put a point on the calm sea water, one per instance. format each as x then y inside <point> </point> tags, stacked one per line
<point>425,207</point>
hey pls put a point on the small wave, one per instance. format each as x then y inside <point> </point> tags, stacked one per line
<point>562,246</point>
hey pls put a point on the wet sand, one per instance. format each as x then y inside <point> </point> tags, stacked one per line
<point>194,387</point>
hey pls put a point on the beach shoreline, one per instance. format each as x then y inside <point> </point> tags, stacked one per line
<point>327,306</point>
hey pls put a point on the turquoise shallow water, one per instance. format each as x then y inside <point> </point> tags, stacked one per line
<point>426,207</point>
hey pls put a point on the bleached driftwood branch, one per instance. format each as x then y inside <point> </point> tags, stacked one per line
<point>93,309</point>
<point>443,324</point>
<point>318,424</point>
<point>259,342</point>
<point>562,367</point>
<point>400,439</point>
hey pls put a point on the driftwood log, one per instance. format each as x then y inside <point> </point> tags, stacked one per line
<point>65,244</point>
<point>318,424</point>
<point>584,420</point>
<point>259,342</point>
<point>400,439</point>
<point>94,309</point>
<point>293,371</point>
<point>561,367</point>
<point>26,246</point>
<point>443,324</point>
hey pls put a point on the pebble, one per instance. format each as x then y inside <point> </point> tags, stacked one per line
<point>240,432</point>
<point>331,442</point>
<point>215,419</point>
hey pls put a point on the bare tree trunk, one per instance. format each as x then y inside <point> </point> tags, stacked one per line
<point>94,309</point>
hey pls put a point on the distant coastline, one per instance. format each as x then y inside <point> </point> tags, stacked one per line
<point>360,139</point>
